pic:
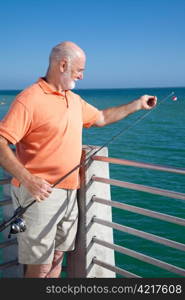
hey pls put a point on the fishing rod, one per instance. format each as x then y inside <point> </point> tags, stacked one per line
<point>17,222</point>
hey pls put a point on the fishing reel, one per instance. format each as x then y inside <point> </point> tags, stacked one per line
<point>18,225</point>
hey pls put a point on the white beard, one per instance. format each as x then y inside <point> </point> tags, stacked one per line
<point>72,85</point>
<point>68,83</point>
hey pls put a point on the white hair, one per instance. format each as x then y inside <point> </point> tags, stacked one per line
<point>63,51</point>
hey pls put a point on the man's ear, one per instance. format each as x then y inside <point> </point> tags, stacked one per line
<point>63,65</point>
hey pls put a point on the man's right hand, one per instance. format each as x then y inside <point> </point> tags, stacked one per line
<point>39,188</point>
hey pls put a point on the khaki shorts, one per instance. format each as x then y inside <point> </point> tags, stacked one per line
<point>50,225</point>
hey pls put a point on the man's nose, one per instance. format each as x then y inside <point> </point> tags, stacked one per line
<point>80,76</point>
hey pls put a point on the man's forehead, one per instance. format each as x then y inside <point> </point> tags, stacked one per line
<point>79,62</point>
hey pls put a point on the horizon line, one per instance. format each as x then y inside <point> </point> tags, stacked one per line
<point>108,88</point>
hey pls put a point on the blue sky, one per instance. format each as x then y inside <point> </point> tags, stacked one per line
<point>128,43</point>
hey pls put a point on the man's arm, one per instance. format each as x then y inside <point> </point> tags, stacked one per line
<point>38,187</point>
<point>117,113</point>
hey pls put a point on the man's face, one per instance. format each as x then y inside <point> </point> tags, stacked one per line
<point>73,73</point>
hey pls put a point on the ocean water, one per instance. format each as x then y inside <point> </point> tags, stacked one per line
<point>159,138</point>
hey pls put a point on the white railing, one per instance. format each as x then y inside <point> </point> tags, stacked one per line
<point>95,247</point>
<point>146,212</point>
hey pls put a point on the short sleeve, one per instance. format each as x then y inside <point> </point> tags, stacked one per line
<point>16,123</point>
<point>90,114</point>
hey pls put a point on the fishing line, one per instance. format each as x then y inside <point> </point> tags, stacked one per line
<point>20,210</point>
<point>133,124</point>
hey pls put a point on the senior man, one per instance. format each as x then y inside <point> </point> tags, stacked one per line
<point>45,122</point>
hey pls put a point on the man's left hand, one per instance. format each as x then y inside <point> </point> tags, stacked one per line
<point>147,102</point>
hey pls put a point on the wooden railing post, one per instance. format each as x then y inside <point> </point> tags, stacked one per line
<point>80,261</point>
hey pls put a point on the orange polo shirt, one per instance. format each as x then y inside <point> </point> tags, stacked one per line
<point>46,127</point>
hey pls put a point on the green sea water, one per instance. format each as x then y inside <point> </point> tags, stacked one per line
<point>159,139</point>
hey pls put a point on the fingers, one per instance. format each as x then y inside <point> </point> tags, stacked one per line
<point>49,189</point>
<point>43,195</point>
<point>44,190</point>
<point>38,198</point>
<point>152,101</point>
<point>39,188</point>
<point>47,183</point>
<point>148,101</point>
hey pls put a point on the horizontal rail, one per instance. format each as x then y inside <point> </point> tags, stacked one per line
<point>8,264</point>
<point>142,211</point>
<point>114,269</point>
<point>8,243</point>
<point>140,187</point>
<point>138,164</point>
<point>142,234</point>
<point>5,181</point>
<point>142,257</point>
<point>6,201</point>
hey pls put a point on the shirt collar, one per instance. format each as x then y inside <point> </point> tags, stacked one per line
<point>48,89</point>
